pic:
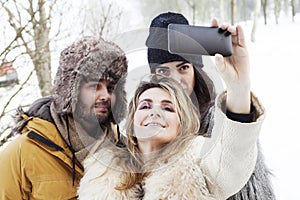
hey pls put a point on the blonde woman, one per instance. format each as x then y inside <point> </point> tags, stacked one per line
<point>166,158</point>
<point>191,72</point>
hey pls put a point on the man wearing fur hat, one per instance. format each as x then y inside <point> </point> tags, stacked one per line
<point>58,132</point>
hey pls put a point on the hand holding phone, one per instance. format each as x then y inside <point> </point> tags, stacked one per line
<point>199,40</point>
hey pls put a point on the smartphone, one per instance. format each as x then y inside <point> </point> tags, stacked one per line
<point>200,40</point>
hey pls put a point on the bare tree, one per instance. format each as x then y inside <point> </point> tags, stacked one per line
<point>192,5</point>
<point>26,29</point>
<point>255,19</point>
<point>293,10</point>
<point>101,18</point>
<point>8,126</point>
<point>31,23</point>
<point>151,8</point>
<point>37,23</point>
<point>232,9</point>
<point>202,11</point>
<point>243,10</point>
<point>264,4</point>
<point>223,16</point>
<point>276,10</point>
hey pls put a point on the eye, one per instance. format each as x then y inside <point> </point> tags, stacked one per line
<point>168,108</point>
<point>183,68</point>
<point>163,71</point>
<point>110,88</point>
<point>144,106</point>
<point>93,86</point>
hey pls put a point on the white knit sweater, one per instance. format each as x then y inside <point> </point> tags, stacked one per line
<point>211,168</point>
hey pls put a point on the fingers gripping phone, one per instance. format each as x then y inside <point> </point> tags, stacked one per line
<point>200,40</point>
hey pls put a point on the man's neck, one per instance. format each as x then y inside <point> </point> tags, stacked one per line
<point>94,129</point>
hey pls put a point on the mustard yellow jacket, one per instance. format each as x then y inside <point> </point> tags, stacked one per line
<point>39,158</point>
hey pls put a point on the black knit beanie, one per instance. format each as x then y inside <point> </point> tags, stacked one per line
<point>157,41</point>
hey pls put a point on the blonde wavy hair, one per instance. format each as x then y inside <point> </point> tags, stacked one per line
<point>135,168</point>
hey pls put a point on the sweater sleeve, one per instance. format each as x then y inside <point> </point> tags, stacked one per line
<point>230,161</point>
<point>245,118</point>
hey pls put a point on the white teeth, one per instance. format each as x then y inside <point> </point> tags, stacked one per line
<point>155,124</point>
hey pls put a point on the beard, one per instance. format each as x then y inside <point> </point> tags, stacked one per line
<point>89,114</point>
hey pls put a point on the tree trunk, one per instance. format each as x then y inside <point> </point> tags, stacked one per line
<point>222,11</point>
<point>264,5</point>
<point>245,10</point>
<point>293,10</point>
<point>194,14</point>
<point>232,8</point>
<point>41,57</point>
<point>255,19</point>
<point>276,10</point>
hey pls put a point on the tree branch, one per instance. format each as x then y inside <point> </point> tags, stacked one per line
<point>5,139</point>
<point>14,94</point>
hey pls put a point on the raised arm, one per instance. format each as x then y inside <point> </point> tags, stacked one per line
<point>231,160</point>
<point>235,71</point>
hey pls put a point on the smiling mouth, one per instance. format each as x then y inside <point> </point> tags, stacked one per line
<point>155,124</point>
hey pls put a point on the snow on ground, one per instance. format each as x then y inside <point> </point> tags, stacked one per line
<point>275,80</point>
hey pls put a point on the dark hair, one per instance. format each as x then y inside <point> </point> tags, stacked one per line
<point>203,97</point>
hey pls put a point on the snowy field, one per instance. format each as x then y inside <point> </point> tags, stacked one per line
<point>275,80</point>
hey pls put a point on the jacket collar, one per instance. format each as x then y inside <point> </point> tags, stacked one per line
<point>44,134</point>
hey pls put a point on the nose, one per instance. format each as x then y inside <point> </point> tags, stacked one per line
<point>155,112</point>
<point>103,94</point>
<point>176,76</point>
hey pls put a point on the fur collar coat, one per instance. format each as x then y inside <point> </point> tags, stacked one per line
<point>209,169</point>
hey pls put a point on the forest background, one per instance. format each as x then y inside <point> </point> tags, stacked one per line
<point>34,32</point>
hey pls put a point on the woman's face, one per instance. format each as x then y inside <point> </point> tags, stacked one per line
<point>181,71</point>
<point>156,118</point>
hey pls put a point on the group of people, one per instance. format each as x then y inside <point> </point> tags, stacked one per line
<point>182,140</point>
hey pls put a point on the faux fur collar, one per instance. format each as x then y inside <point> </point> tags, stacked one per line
<point>181,178</point>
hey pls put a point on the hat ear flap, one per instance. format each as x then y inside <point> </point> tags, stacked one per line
<point>120,109</point>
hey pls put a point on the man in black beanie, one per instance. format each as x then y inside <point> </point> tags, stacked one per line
<point>178,66</point>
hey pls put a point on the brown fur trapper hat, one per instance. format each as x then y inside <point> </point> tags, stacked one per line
<point>89,59</point>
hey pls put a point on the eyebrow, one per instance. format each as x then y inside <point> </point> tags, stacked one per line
<point>178,65</point>
<point>182,63</point>
<point>150,101</point>
<point>162,66</point>
<point>109,83</point>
